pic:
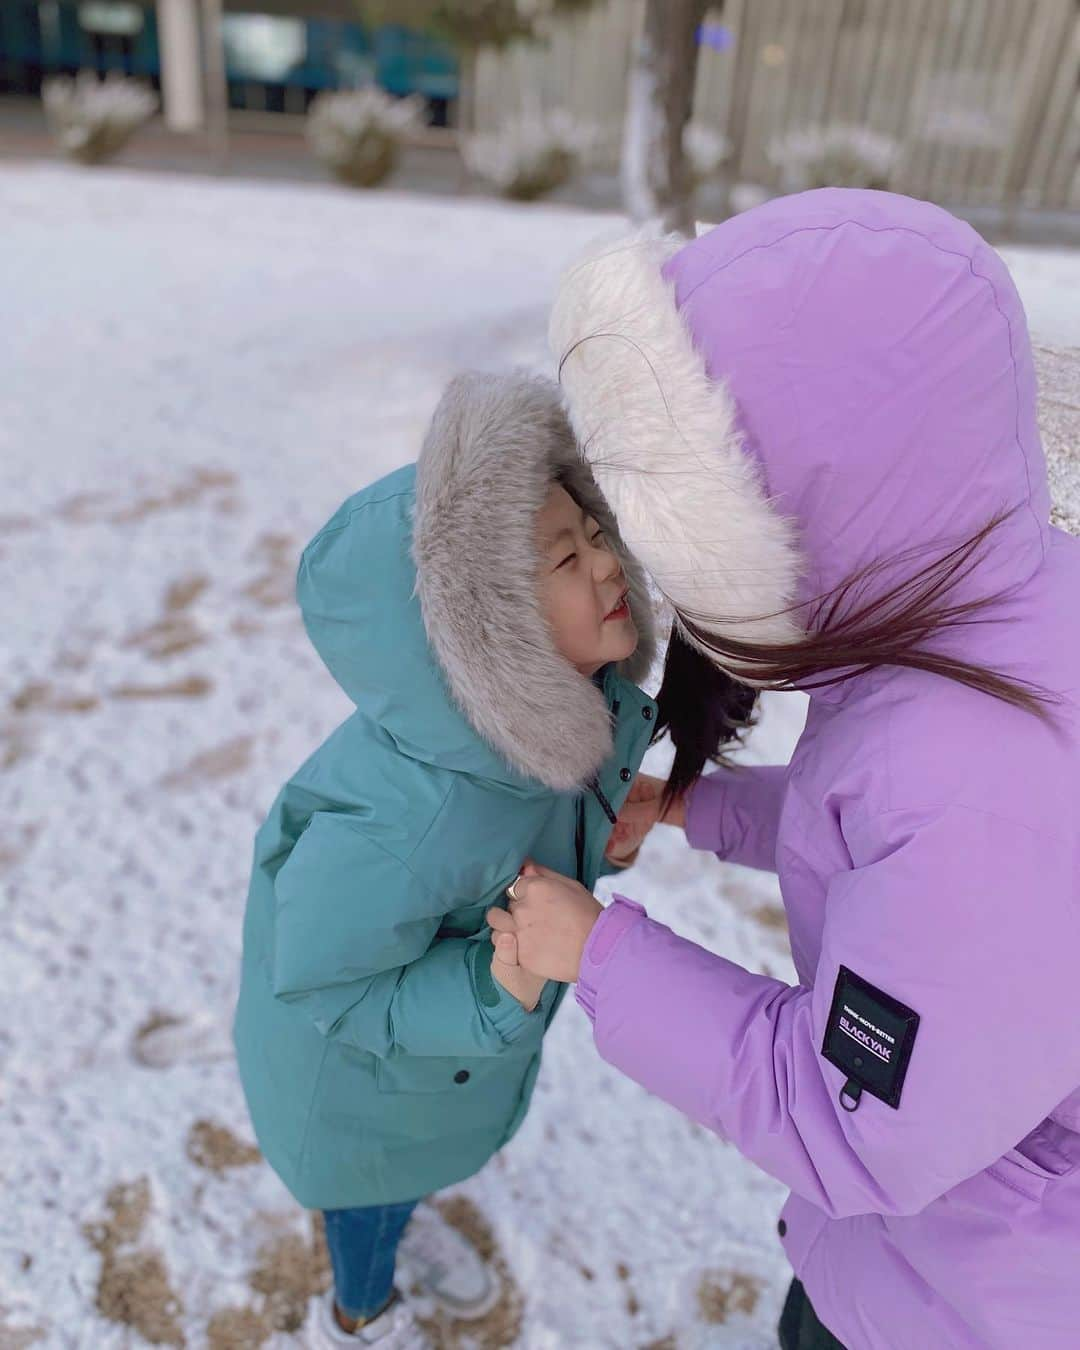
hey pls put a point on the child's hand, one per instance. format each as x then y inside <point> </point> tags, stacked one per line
<point>515,979</point>
<point>623,844</point>
<point>640,812</point>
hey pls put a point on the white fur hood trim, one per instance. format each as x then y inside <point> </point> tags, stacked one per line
<point>661,439</point>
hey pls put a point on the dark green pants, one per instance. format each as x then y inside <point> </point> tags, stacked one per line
<point>799,1326</point>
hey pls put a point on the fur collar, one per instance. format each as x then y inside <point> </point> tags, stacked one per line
<point>495,444</point>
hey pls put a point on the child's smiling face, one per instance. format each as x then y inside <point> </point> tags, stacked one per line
<point>583,590</point>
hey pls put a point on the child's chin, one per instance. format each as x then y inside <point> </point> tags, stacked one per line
<point>628,645</point>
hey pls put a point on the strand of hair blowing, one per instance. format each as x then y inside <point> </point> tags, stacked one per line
<point>705,703</point>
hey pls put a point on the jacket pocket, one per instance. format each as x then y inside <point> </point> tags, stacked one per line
<point>414,1073</point>
<point>1067,1113</point>
<point>1050,1152</point>
<point>468,921</point>
<point>497,1077</point>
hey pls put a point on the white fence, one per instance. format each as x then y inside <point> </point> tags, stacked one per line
<point>982,97</point>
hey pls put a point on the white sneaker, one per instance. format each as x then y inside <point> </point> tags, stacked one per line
<point>448,1269</point>
<point>394,1329</point>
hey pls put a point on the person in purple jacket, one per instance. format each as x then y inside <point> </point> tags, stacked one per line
<point>816,425</point>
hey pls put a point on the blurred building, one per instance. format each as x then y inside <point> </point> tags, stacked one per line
<point>277,56</point>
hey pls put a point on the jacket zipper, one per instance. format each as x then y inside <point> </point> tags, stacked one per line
<point>598,793</point>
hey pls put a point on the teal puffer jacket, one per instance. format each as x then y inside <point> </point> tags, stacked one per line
<point>379,1058</point>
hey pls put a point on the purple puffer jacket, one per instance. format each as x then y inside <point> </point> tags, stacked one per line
<point>919,1089</point>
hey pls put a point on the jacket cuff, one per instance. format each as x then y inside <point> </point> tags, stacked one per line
<point>620,915</point>
<point>498,1007</point>
<point>705,814</point>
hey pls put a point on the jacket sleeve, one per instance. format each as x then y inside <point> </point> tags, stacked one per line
<point>735,813</point>
<point>968,919</point>
<point>355,945</point>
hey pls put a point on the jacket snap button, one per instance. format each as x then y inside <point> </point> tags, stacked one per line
<point>625,775</point>
<point>647,714</point>
<point>462,1076</point>
<point>781,1228</point>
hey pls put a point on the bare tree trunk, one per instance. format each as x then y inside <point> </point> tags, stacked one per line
<point>217,86</point>
<point>465,121</point>
<point>654,173</point>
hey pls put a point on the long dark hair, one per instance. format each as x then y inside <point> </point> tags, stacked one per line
<point>706,708</point>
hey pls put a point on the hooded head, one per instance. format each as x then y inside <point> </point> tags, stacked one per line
<point>832,380</point>
<point>424,594</point>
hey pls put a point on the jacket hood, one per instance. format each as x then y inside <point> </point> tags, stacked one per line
<point>420,595</point>
<point>832,379</point>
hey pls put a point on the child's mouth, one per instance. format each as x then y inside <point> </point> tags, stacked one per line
<point>621,610</point>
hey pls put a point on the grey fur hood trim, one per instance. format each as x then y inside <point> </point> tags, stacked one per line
<point>495,445</point>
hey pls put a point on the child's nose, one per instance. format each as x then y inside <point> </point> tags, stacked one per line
<point>607,566</point>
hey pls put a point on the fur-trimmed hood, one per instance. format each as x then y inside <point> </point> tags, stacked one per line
<point>664,442</point>
<point>829,380</point>
<point>420,594</point>
<point>495,445</point>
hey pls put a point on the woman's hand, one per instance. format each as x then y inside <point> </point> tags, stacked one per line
<point>551,918</point>
<point>640,812</point>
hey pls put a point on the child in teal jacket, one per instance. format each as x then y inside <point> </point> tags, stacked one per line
<point>481,612</point>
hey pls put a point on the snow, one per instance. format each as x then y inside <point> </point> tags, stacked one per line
<point>1048,280</point>
<point>197,373</point>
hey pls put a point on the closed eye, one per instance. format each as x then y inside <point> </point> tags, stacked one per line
<point>571,556</point>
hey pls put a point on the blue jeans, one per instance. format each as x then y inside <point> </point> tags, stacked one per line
<point>363,1244</point>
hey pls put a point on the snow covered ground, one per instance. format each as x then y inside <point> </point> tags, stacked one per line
<point>195,374</point>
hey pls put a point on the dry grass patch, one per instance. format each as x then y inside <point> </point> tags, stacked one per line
<point>222,761</point>
<point>217,1149</point>
<point>195,686</point>
<point>721,1293</point>
<point>133,1286</point>
<point>289,1271</point>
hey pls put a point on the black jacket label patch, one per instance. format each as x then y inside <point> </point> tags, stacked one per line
<point>868,1036</point>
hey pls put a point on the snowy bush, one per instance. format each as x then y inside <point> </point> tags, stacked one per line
<point>358,134</point>
<point>91,118</point>
<point>745,196</point>
<point>969,108</point>
<point>473,23</point>
<point>529,157</point>
<point>706,151</point>
<point>834,156</point>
